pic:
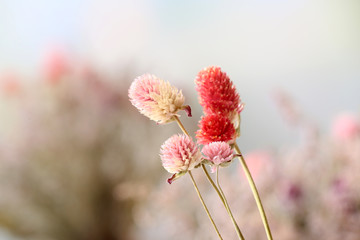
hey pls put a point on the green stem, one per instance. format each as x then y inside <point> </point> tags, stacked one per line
<point>204,205</point>
<point>228,207</point>
<point>255,192</point>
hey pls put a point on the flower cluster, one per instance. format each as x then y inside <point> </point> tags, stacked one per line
<point>160,101</point>
<point>219,127</point>
<point>221,104</point>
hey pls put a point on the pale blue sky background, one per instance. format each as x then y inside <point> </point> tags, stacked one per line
<point>310,48</point>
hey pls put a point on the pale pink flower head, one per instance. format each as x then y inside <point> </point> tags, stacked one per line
<point>156,98</point>
<point>179,154</point>
<point>217,93</point>
<point>345,127</point>
<point>218,154</point>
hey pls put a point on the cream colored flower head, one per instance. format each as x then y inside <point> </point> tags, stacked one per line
<point>156,98</point>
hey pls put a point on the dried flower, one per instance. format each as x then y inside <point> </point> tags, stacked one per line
<point>218,154</point>
<point>156,98</point>
<point>215,128</point>
<point>179,154</point>
<point>217,94</point>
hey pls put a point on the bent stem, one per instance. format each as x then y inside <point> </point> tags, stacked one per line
<point>228,207</point>
<point>204,205</point>
<point>255,192</point>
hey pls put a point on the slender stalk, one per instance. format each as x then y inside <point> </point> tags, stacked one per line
<point>204,205</point>
<point>220,194</point>
<point>255,193</point>
<point>181,125</point>
<point>213,184</point>
<point>228,207</point>
<point>202,165</point>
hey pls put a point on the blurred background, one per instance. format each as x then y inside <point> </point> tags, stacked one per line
<point>79,162</point>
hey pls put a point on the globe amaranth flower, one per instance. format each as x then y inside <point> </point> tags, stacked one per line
<point>179,154</point>
<point>218,154</point>
<point>156,98</point>
<point>214,128</point>
<point>217,94</point>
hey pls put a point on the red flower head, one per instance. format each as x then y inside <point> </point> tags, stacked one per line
<point>217,94</point>
<point>216,128</point>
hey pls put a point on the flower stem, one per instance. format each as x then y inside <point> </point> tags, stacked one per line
<point>181,125</point>
<point>255,192</point>
<point>220,194</point>
<point>212,183</point>
<point>204,205</point>
<point>228,207</point>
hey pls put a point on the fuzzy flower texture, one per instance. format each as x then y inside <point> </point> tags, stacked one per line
<point>218,154</point>
<point>217,94</point>
<point>179,154</point>
<point>156,98</point>
<point>221,104</point>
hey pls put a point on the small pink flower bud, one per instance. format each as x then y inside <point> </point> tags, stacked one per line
<point>218,153</point>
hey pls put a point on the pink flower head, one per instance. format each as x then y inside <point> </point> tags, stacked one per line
<point>216,128</point>
<point>217,94</point>
<point>218,153</point>
<point>345,127</point>
<point>179,154</point>
<point>55,66</point>
<point>258,162</point>
<point>10,84</point>
<point>156,99</point>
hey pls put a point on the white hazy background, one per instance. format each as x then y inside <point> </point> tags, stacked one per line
<point>309,48</point>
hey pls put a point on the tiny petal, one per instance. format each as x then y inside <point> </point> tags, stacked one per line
<point>214,128</point>
<point>179,154</point>
<point>217,94</point>
<point>155,98</point>
<point>218,153</point>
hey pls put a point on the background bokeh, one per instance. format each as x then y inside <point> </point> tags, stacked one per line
<point>79,162</point>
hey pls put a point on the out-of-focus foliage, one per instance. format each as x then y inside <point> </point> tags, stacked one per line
<point>79,162</point>
<point>75,156</point>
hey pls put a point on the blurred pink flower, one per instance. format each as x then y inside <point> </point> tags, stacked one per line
<point>345,127</point>
<point>155,98</point>
<point>215,128</point>
<point>55,66</point>
<point>218,153</point>
<point>179,154</point>
<point>10,84</point>
<point>257,161</point>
